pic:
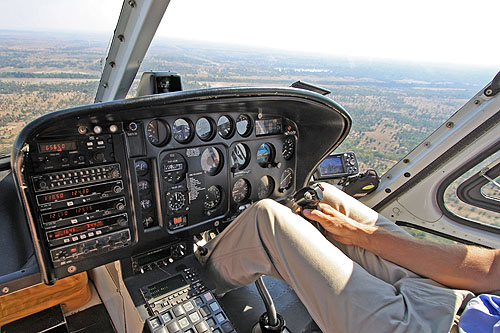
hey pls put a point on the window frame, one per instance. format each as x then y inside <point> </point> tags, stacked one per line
<point>455,175</point>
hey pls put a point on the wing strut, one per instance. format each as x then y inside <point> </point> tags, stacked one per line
<point>137,24</point>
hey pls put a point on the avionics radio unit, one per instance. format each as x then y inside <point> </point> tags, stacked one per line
<point>82,212</point>
<point>72,152</point>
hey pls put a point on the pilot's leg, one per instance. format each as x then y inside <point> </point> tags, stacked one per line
<point>340,295</point>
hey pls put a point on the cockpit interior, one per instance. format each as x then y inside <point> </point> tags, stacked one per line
<point>124,190</point>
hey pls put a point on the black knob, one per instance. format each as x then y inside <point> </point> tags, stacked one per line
<point>117,189</point>
<point>98,157</point>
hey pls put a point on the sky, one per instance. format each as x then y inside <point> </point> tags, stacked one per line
<point>449,31</point>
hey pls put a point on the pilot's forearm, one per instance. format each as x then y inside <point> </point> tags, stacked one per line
<point>457,266</point>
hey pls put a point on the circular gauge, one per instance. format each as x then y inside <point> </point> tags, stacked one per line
<point>241,190</point>
<point>225,127</point>
<point>286,180</point>
<point>157,132</point>
<point>211,161</point>
<point>240,157</point>
<point>288,148</point>
<point>141,167</point>
<point>182,130</point>
<point>146,204</point>
<point>212,197</point>
<point>176,201</point>
<point>244,125</point>
<point>143,186</point>
<point>204,129</point>
<point>173,167</point>
<point>265,155</point>
<point>266,187</point>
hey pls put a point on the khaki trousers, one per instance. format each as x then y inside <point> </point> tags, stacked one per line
<point>344,288</point>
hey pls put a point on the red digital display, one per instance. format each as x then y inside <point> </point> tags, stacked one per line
<point>53,197</point>
<point>73,193</point>
<point>80,191</point>
<point>67,213</point>
<point>74,230</point>
<point>83,210</point>
<point>63,195</point>
<point>56,146</point>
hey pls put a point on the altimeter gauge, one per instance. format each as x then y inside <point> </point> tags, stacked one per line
<point>213,197</point>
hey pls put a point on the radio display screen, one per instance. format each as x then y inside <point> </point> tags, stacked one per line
<point>268,126</point>
<point>331,166</point>
<point>155,256</point>
<point>76,229</point>
<point>166,286</point>
<point>76,211</point>
<point>56,146</point>
<point>74,193</point>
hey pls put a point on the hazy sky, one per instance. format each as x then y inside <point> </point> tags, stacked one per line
<point>451,31</point>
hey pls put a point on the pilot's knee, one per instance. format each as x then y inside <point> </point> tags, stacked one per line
<point>267,205</point>
<point>269,213</point>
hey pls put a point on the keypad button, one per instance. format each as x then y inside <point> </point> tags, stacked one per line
<point>227,327</point>
<point>155,323</point>
<point>214,306</point>
<point>194,317</point>
<point>178,311</point>
<point>166,317</point>
<point>202,327</point>
<point>208,297</point>
<point>211,322</point>
<point>184,322</point>
<point>188,306</point>
<point>173,327</point>
<point>220,317</point>
<point>205,311</point>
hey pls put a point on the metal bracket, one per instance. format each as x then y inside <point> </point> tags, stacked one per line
<point>494,87</point>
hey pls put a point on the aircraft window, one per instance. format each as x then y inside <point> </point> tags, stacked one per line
<point>472,197</point>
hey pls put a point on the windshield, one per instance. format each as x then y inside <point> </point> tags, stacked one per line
<point>399,69</point>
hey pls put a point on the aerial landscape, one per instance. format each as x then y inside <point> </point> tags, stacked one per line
<point>394,106</point>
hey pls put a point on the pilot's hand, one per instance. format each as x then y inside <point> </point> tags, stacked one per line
<point>342,228</point>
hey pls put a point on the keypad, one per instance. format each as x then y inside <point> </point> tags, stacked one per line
<point>192,309</point>
<point>193,317</point>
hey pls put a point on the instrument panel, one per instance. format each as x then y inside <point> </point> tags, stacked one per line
<point>113,180</point>
<point>208,168</point>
